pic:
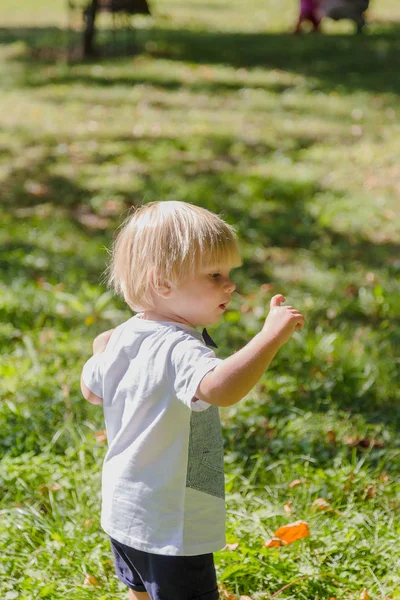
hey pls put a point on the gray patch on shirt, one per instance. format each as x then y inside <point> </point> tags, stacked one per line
<point>205,471</point>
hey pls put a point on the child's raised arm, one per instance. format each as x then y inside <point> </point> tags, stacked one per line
<point>99,345</point>
<point>233,378</point>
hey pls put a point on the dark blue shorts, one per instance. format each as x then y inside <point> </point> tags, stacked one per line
<point>166,577</point>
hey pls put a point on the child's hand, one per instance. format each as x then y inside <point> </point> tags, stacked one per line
<point>282,321</point>
<point>101,341</point>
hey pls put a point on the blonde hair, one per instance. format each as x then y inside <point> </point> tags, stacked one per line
<point>167,241</point>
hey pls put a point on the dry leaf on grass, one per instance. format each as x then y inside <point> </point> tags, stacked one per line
<point>351,290</point>
<point>90,580</point>
<point>225,594</point>
<point>365,595</point>
<point>321,504</point>
<point>363,442</point>
<point>36,188</point>
<point>88,522</point>
<point>331,437</point>
<point>101,437</point>
<point>295,483</point>
<point>49,487</point>
<point>231,547</point>
<point>288,508</point>
<point>370,492</point>
<point>384,477</point>
<point>287,534</point>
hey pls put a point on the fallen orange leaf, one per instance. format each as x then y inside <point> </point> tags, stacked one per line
<point>365,595</point>
<point>90,580</point>
<point>287,534</point>
<point>273,543</point>
<point>331,437</point>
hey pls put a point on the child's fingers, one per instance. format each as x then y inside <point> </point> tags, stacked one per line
<point>300,323</point>
<point>277,300</point>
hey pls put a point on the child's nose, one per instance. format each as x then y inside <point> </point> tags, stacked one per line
<point>230,286</point>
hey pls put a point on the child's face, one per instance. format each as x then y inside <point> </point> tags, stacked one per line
<point>203,298</point>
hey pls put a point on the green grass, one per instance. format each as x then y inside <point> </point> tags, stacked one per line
<point>295,140</point>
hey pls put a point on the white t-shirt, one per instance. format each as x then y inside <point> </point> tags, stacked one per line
<point>163,481</point>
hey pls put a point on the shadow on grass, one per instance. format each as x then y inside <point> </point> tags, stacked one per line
<point>268,211</point>
<point>344,62</point>
<point>56,210</point>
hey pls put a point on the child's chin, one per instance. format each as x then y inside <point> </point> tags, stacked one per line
<point>215,319</point>
<point>212,319</point>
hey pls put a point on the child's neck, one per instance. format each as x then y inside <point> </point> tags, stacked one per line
<point>152,315</point>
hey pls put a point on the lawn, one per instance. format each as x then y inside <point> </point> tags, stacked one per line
<point>296,141</point>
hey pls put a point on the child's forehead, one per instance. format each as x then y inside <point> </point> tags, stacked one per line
<point>215,267</point>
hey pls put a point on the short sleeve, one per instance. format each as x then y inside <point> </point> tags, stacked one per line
<point>92,374</point>
<point>191,361</point>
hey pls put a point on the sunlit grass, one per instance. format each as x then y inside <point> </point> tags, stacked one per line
<point>296,142</point>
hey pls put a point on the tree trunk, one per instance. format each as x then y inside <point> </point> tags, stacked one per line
<point>90,29</point>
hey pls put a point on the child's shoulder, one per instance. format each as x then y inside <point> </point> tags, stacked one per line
<point>135,329</point>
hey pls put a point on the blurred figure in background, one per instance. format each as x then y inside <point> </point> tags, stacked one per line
<point>309,11</point>
<point>346,9</point>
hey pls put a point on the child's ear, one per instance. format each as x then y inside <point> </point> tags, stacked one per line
<point>160,285</point>
<point>163,289</point>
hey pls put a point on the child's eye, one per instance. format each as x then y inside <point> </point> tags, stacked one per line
<point>215,275</point>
